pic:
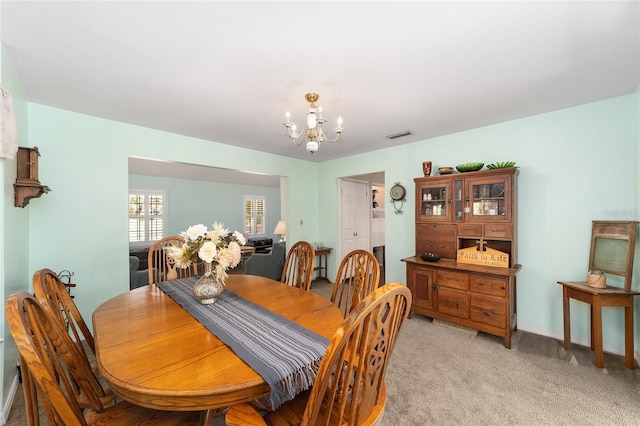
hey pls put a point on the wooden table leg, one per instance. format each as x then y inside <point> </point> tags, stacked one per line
<point>567,319</point>
<point>596,331</point>
<point>629,362</point>
<point>592,340</point>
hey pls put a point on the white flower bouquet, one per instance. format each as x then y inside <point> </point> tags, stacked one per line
<point>217,247</point>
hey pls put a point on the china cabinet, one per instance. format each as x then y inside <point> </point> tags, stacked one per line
<point>474,211</point>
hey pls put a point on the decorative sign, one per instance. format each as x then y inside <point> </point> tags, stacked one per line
<point>487,257</point>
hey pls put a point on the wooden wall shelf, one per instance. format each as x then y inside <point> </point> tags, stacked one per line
<point>27,185</point>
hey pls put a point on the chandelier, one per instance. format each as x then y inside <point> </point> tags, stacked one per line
<point>313,134</point>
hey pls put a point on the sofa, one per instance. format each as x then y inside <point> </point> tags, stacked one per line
<point>268,265</point>
<point>137,278</point>
<point>262,245</point>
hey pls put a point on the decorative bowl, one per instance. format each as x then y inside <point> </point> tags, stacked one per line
<point>430,257</point>
<point>445,170</point>
<point>469,167</point>
<point>501,165</point>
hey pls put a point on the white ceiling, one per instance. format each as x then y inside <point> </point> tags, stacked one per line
<point>228,71</point>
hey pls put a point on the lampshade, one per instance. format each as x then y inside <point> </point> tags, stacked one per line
<point>281,229</point>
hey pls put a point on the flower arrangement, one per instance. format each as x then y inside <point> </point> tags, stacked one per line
<point>218,247</point>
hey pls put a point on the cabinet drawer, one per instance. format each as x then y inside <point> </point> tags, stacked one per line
<point>498,230</point>
<point>488,310</point>
<point>470,230</point>
<point>453,302</point>
<point>452,279</point>
<point>485,284</point>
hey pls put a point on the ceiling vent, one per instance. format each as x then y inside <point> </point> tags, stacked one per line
<point>399,135</point>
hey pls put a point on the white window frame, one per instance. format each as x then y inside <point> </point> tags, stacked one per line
<point>262,198</point>
<point>165,208</point>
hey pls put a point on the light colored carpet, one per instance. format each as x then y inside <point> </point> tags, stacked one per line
<point>441,376</point>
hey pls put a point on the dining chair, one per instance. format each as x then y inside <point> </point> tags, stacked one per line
<point>358,275</point>
<point>50,291</point>
<point>162,267</point>
<point>69,392</point>
<point>299,266</point>
<point>349,388</point>
<point>52,294</point>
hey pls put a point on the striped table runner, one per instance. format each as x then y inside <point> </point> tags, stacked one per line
<point>284,353</point>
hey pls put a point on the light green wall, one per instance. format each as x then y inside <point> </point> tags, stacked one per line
<point>82,224</point>
<point>636,114</point>
<point>192,202</point>
<point>14,230</point>
<point>576,165</point>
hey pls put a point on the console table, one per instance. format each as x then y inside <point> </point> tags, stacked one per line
<point>321,255</point>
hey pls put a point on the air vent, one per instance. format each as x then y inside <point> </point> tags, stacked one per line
<point>399,135</point>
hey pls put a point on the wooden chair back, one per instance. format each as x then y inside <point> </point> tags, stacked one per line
<point>349,388</point>
<point>162,267</point>
<point>54,365</point>
<point>613,246</point>
<point>53,296</point>
<point>358,275</point>
<point>299,265</point>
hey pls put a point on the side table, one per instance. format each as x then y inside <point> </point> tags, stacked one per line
<point>321,255</point>
<point>597,298</point>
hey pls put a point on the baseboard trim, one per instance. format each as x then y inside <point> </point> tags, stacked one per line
<point>4,414</point>
<point>583,341</point>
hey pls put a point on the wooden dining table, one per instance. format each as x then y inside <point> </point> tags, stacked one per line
<point>155,354</point>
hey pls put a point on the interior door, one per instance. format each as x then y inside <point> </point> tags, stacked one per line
<point>355,203</point>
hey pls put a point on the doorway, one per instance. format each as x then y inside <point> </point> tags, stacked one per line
<point>362,216</point>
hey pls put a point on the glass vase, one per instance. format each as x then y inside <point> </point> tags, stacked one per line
<point>209,286</point>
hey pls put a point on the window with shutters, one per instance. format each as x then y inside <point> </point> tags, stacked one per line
<point>147,215</point>
<point>254,215</point>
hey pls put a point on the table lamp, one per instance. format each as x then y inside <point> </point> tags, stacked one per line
<point>281,228</point>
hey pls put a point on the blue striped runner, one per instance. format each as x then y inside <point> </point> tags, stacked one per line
<point>285,354</point>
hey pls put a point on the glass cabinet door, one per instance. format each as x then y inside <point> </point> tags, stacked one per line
<point>434,201</point>
<point>487,200</point>
<point>458,200</point>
